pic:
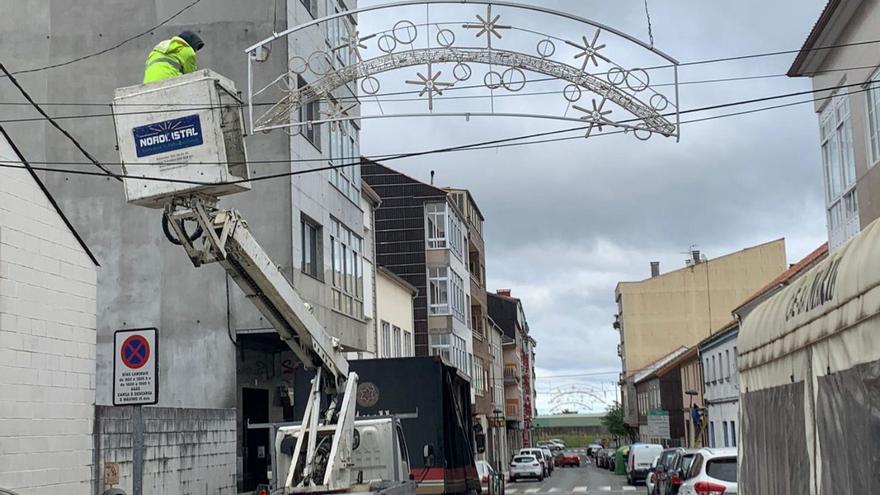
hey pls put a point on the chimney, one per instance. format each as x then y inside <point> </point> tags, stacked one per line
<point>695,255</point>
<point>655,268</point>
<point>432,177</point>
<point>503,292</point>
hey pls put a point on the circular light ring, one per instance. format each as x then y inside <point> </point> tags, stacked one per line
<point>315,65</point>
<point>445,38</point>
<point>409,29</point>
<point>493,80</point>
<point>461,71</point>
<point>642,134</point>
<point>659,102</point>
<point>370,85</point>
<point>546,48</point>
<point>298,65</point>
<point>387,43</point>
<point>572,93</point>
<point>616,76</point>
<point>637,79</point>
<point>513,79</point>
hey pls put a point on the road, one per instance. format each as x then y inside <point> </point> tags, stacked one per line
<point>586,479</point>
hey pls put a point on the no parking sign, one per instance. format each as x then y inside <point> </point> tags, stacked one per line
<point>135,372</point>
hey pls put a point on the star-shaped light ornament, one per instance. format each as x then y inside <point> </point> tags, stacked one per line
<point>488,26</point>
<point>338,115</point>
<point>596,117</point>
<point>589,50</point>
<point>355,42</point>
<point>430,85</point>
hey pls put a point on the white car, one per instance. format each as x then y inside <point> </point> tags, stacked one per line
<point>551,459</point>
<point>712,472</point>
<point>540,456</point>
<point>526,466</point>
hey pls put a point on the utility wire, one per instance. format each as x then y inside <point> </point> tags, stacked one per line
<point>114,47</point>
<point>55,124</point>
<point>498,143</point>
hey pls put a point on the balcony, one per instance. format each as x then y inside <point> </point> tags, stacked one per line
<point>512,410</point>
<point>512,375</point>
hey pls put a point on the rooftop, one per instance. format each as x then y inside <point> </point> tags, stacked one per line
<point>787,276</point>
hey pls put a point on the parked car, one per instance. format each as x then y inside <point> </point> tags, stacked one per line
<point>526,466</point>
<point>677,471</point>
<point>638,462</point>
<point>601,458</point>
<point>569,460</point>
<point>649,481</point>
<point>551,459</point>
<point>540,456</point>
<point>593,449</point>
<point>712,472</point>
<point>661,471</point>
<point>491,483</point>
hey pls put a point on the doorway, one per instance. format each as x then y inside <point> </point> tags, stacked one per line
<point>257,453</point>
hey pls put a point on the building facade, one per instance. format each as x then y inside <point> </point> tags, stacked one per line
<point>680,308</point>
<point>421,237</point>
<point>721,382</point>
<point>849,117</point>
<point>218,353</point>
<point>507,312</point>
<point>48,280</point>
<point>659,403</point>
<point>481,383</point>
<point>692,390</point>
<point>394,317</point>
<point>500,453</point>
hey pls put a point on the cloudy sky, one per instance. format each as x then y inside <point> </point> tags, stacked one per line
<point>566,221</point>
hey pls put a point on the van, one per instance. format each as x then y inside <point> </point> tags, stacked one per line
<point>639,460</point>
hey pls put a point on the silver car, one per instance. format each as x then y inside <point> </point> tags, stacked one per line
<point>526,466</point>
<point>712,472</point>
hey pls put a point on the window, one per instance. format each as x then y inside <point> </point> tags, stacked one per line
<point>407,344</point>
<point>456,235</point>
<point>874,117</point>
<point>478,377</point>
<point>723,469</point>
<point>309,112</point>
<point>386,339</point>
<point>733,433</point>
<point>458,298</point>
<point>311,6</point>
<point>395,342</point>
<point>724,432</point>
<point>727,358</point>
<point>838,161</point>
<point>435,214</point>
<point>346,177</point>
<point>438,293</point>
<point>706,371</point>
<point>348,270</point>
<point>311,252</point>
<point>440,346</point>
<point>712,434</point>
<point>714,371</point>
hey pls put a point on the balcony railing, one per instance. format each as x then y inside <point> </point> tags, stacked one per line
<point>512,410</point>
<point>511,373</point>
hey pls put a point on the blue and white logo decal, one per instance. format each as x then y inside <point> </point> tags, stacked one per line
<point>170,135</point>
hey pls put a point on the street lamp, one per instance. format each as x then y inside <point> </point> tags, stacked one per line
<point>497,416</point>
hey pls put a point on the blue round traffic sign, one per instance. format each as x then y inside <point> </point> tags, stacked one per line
<point>135,351</point>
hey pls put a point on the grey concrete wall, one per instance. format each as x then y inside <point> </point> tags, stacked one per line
<point>186,451</point>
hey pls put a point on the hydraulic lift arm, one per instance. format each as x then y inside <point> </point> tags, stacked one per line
<point>223,237</point>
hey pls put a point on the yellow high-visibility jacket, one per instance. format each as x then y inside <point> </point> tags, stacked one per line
<point>170,58</point>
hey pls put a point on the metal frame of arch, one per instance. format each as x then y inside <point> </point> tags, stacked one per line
<point>629,89</point>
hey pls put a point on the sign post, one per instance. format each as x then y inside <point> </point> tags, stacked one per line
<point>136,383</point>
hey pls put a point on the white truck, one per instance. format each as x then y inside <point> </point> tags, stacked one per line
<point>182,159</point>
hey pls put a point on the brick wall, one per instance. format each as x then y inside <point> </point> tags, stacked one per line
<point>187,451</point>
<point>47,343</point>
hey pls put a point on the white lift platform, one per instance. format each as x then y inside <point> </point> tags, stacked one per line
<point>183,157</point>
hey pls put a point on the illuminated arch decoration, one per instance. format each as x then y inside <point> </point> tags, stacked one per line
<point>446,54</point>
<point>586,396</point>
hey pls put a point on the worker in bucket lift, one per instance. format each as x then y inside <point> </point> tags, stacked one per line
<point>173,58</point>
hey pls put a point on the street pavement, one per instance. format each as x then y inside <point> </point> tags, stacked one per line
<point>587,479</point>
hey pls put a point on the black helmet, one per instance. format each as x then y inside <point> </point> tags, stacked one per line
<point>193,40</point>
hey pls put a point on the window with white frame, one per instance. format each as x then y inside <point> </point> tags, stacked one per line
<point>407,344</point>
<point>337,34</point>
<point>386,339</point>
<point>439,346</point>
<point>478,377</point>
<point>838,161</point>
<point>308,112</point>
<point>874,117</point>
<point>348,272</point>
<point>456,234</point>
<point>438,293</point>
<point>435,217</point>
<point>458,299</point>
<point>395,341</point>
<point>346,176</point>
